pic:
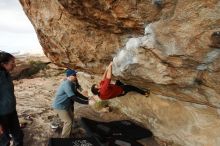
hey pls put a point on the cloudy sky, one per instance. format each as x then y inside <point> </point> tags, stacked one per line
<point>16,31</point>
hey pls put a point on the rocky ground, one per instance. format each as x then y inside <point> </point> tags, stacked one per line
<point>34,97</point>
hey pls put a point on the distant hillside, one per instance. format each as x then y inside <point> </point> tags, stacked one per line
<point>31,66</point>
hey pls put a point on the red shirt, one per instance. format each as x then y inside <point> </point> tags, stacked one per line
<point>108,90</point>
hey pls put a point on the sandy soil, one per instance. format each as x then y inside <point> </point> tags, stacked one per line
<point>34,99</point>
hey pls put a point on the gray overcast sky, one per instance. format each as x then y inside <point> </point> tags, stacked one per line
<point>16,31</point>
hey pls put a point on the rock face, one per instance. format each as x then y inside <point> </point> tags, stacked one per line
<point>173,47</point>
<point>85,34</point>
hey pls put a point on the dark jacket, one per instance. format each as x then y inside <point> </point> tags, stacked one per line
<point>7,97</point>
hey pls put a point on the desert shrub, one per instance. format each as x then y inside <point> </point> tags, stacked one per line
<point>101,104</point>
<point>59,72</point>
<point>35,67</point>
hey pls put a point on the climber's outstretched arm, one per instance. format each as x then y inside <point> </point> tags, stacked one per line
<point>109,71</point>
<point>104,75</point>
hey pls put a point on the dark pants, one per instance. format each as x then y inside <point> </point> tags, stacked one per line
<point>11,126</point>
<point>129,88</point>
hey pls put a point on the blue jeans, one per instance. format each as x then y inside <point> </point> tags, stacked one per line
<point>11,126</point>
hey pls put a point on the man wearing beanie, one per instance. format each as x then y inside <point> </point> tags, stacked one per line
<point>64,100</point>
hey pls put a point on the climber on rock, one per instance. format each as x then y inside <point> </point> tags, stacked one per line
<point>105,90</point>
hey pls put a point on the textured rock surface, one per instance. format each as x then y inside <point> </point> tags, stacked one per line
<point>174,56</point>
<point>87,33</point>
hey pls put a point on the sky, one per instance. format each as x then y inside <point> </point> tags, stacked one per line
<point>17,34</point>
